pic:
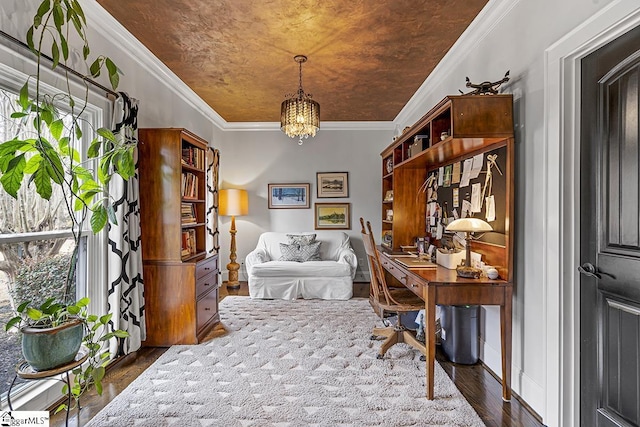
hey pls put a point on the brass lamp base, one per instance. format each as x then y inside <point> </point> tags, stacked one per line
<point>468,272</point>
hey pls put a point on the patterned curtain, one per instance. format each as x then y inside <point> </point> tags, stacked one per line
<point>213,235</point>
<point>126,286</point>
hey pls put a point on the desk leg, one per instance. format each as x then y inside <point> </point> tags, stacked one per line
<point>505,331</point>
<point>429,294</point>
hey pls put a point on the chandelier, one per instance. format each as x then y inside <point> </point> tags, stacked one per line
<point>299,114</point>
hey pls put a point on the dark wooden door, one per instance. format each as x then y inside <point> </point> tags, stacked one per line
<point>610,235</point>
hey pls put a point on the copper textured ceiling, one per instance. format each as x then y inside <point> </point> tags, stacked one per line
<point>366,57</point>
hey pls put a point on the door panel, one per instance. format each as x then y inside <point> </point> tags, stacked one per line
<point>610,235</point>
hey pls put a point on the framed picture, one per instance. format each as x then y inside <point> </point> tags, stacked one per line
<point>333,216</point>
<point>333,184</point>
<point>289,196</point>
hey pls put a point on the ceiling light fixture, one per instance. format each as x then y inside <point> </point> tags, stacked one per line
<point>299,114</point>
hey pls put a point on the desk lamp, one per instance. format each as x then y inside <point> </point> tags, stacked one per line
<point>233,202</point>
<point>468,225</point>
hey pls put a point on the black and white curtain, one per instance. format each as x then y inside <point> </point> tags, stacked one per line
<point>213,235</point>
<point>126,286</point>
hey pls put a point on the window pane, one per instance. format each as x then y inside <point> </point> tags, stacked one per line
<point>34,259</point>
<point>29,271</point>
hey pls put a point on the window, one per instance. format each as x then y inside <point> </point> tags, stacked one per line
<point>36,241</point>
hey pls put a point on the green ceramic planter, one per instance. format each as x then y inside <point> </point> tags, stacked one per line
<point>50,348</point>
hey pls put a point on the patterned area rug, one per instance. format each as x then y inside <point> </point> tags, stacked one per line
<point>289,364</point>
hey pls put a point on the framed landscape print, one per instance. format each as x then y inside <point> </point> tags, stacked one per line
<point>332,216</point>
<point>288,196</point>
<point>333,184</point>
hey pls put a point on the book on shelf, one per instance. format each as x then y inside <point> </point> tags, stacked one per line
<point>188,213</point>
<point>193,156</point>
<point>188,242</point>
<point>189,185</point>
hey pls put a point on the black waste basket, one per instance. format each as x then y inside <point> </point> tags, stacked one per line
<point>460,333</point>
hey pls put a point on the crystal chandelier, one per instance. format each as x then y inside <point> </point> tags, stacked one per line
<point>299,114</point>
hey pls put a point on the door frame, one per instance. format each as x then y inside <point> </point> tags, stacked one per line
<point>561,229</point>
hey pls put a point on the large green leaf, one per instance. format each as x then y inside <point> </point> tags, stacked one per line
<point>33,164</point>
<point>30,39</point>
<point>65,47</point>
<point>106,134</point>
<point>126,166</point>
<point>82,173</point>
<point>24,95</point>
<point>54,165</point>
<point>76,7</point>
<point>98,219</point>
<point>94,149</point>
<point>11,146</point>
<point>94,68</point>
<point>42,180</point>
<point>43,8</point>
<point>11,180</point>
<point>114,76</point>
<point>56,128</point>
<point>34,314</point>
<point>58,16</point>
<point>55,53</point>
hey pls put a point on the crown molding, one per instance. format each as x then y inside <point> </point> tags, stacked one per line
<point>489,17</point>
<point>324,126</point>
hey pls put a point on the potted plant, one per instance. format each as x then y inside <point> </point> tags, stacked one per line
<point>48,158</point>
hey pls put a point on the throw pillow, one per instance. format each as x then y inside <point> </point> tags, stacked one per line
<point>310,252</point>
<point>300,253</point>
<point>301,239</point>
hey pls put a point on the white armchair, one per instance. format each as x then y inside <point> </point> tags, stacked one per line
<point>323,269</point>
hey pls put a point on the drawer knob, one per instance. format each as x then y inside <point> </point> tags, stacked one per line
<point>413,285</point>
<point>207,268</point>
<point>207,284</point>
<point>207,309</point>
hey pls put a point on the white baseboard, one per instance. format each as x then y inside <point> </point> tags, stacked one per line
<point>521,384</point>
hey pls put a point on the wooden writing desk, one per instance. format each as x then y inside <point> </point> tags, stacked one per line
<point>440,286</point>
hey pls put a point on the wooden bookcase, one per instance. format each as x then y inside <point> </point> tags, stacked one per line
<point>181,282</point>
<point>457,128</point>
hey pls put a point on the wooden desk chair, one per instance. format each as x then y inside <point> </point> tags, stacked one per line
<point>385,300</point>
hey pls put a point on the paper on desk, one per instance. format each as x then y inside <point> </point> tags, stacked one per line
<point>440,176</point>
<point>478,160</point>
<point>456,200</point>
<point>466,172</point>
<point>439,231</point>
<point>476,206</point>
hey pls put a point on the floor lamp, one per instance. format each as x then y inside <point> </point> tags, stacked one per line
<point>233,202</point>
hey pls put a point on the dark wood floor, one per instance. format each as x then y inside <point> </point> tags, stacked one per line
<point>477,384</point>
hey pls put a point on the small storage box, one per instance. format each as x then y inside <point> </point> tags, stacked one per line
<point>449,260</point>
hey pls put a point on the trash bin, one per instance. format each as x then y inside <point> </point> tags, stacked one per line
<point>460,333</point>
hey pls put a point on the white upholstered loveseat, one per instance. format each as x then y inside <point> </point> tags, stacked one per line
<point>330,277</point>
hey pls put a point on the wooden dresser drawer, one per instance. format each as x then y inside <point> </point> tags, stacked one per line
<point>415,285</point>
<point>206,266</point>
<point>207,308</point>
<point>395,271</point>
<point>205,283</point>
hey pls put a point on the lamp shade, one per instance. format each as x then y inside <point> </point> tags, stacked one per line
<point>233,202</point>
<point>469,225</point>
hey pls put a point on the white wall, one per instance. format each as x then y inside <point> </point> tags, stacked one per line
<point>508,35</point>
<point>251,160</point>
